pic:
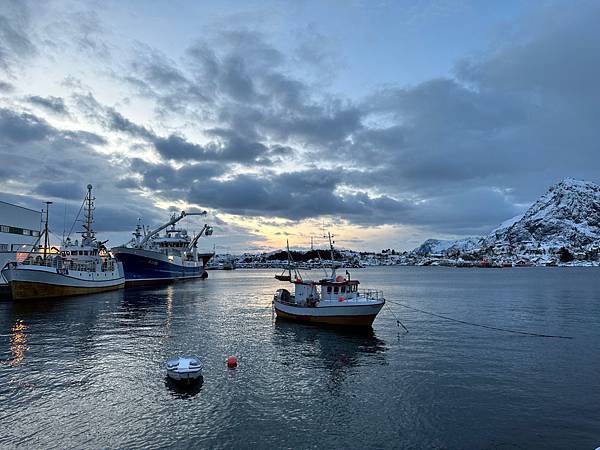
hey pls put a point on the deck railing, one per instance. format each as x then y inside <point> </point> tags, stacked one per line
<point>371,294</point>
<point>59,263</point>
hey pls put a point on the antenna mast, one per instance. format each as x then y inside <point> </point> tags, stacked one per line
<point>331,242</point>
<point>88,235</point>
<point>46,240</point>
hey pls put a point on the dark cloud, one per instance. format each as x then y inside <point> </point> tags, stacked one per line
<point>177,147</point>
<point>23,127</point>
<point>56,164</point>
<point>295,196</point>
<point>110,118</point>
<point>67,190</point>
<point>174,183</point>
<point>241,82</point>
<point>115,121</point>
<point>513,121</point>
<point>52,104</point>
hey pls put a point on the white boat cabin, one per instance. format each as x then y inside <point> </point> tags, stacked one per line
<point>336,290</point>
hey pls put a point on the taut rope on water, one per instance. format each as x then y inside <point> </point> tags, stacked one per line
<point>489,327</point>
<point>398,323</point>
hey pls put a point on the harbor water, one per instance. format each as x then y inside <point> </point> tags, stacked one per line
<point>87,372</point>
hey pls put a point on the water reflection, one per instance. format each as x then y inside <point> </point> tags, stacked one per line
<point>18,343</point>
<point>169,307</point>
<point>338,350</point>
<point>184,390</point>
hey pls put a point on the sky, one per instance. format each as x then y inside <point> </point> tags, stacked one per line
<point>386,122</point>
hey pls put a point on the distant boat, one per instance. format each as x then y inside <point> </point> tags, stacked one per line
<point>76,268</point>
<point>150,258</point>
<point>522,263</point>
<point>283,276</point>
<point>484,263</point>
<point>334,300</point>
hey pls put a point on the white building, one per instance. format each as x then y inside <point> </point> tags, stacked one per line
<point>18,226</point>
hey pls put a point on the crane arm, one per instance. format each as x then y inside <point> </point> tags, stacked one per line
<point>174,219</point>
<point>206,230</point>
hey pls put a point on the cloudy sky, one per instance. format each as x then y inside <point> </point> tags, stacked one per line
<point>388,122</point>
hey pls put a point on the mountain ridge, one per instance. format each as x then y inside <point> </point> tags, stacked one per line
<point>564,219</point>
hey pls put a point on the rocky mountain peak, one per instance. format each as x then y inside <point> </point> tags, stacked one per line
<point>566,216</point>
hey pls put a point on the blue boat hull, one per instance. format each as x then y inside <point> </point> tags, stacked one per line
<point>143,269</point>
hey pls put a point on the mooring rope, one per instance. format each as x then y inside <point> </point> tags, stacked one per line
<point>398,323</point>
<point>489,327</point>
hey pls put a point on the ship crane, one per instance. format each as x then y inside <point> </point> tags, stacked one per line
<point>206,230</point>
<point>174,219</point>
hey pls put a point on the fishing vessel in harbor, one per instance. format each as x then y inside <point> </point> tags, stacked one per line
<point>333,300</point>
<point>150,258</point>
<point>77,267</point>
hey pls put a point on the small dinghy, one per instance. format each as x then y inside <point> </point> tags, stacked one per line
<point>184,368</point>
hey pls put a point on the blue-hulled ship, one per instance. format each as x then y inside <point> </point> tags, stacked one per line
<point>154,258</point>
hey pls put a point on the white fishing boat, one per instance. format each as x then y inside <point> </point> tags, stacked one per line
<point>184,368</point>
<point>75,268</point>
<point>333,300</point>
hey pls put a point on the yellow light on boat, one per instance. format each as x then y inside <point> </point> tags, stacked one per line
<point>170,258</point>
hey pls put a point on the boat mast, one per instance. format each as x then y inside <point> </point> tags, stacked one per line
<point>291,263</point>
<point>289,256</point>
<point>329,236</point>
<point>88,235</point>
<point>46,240</point>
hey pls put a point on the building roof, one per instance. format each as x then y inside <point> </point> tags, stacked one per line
<point>22,207</point>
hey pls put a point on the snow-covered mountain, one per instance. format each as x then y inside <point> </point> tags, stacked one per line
<point>448,247</point>
<point>566,217</point>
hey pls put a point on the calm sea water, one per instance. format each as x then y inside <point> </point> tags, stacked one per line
<point>87,372</point>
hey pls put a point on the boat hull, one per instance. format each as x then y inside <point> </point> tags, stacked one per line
<point>348,315</point>
<point>143,267</point>
<point>44,282</point>
<point>184,376</point>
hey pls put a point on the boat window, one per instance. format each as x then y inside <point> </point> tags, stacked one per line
<point>335,290</point>
<point>329,289</point>
<point>343,289</point>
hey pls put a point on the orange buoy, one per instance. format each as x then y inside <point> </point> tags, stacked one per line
<point>231,361</point>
